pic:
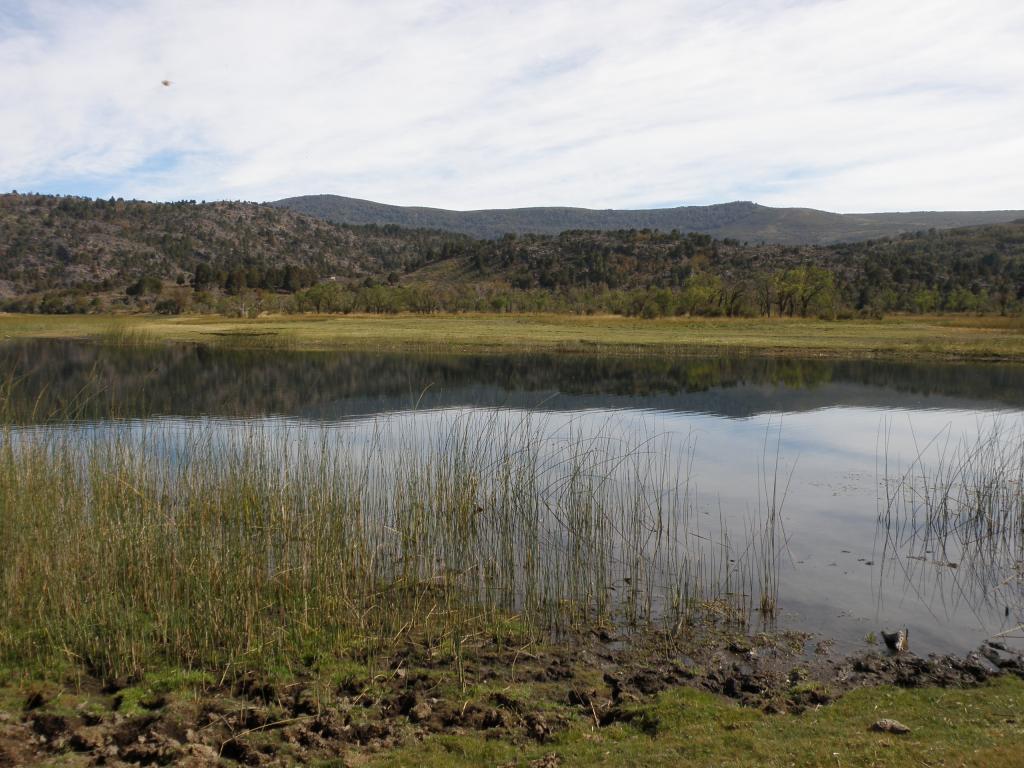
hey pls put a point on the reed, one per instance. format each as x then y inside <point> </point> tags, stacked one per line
<point>953,521</point>
<point>126,545</point>
<point>117,331</point>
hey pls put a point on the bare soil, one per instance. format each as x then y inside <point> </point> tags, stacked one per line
<point>514,694</point>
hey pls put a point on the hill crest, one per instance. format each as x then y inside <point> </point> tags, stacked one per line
<point>744,221</point>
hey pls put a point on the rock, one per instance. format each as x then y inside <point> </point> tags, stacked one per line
<point>887,725</point>
<point>898,641</point>
<point>991,654</point>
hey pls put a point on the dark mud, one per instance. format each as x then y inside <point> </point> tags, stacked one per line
<point>520,695</point>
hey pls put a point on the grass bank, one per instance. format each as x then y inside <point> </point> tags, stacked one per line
<point>125,547</point>
<point>939,337</point>
<point>421,716</point>
<point>683,727</point>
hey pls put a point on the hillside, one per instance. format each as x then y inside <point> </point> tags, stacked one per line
<point>50,243</point>
<point>743,221</point>
<point>66,254</point>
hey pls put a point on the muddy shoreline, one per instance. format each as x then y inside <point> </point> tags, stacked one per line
<point>518,694</point>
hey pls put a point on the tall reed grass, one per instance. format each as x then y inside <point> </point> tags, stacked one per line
<point>224,545</point>
<point>953,521</point>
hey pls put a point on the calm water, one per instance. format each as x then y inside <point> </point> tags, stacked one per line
<point>839,429</point>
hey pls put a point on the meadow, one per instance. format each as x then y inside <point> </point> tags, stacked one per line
<point>955,337</point>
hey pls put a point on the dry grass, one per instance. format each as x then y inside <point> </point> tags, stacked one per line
<point>949,337</point>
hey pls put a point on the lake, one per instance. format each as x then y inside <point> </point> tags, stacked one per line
<point>851,451</point>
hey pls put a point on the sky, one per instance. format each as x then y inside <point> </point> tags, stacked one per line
<point>844,105</point>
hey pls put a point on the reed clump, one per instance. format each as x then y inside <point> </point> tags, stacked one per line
<point>953,520</point>
<point>122,332</point>
<point>125,545</point>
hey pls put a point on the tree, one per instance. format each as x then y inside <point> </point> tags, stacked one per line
<point>805,290</point>
<point>926,300</point>
<point>203,276</point>
<point>144,285</point>
<point>236,283</point>
<point>702,294</point>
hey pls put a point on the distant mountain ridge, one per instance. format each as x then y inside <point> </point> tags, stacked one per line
<point>744,221</point>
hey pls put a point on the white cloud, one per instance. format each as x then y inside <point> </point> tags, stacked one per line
<point>856,105</point>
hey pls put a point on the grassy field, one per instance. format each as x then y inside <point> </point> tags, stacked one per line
<point>684,727</point>
<point>951,337</point>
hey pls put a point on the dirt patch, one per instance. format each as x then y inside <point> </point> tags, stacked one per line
<point>520,695</point>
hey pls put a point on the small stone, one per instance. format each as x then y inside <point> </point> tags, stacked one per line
<point>886,725</point>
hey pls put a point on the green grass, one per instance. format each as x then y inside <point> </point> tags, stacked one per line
<point>123,550</point>
<point>684,727</point>
<point>951,336</point>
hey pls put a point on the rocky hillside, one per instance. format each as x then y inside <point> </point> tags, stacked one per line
<point>49,243</point>
<point>60,254</point>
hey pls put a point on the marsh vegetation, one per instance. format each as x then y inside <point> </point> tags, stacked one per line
<point>952,522</point>
<point>126,545</point>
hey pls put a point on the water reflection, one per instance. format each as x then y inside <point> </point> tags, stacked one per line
<point>93,381</point>
<point>844,428</point>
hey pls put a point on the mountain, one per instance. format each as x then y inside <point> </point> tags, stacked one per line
<point>72,254</point>
<point>95,246</point>
<point>743,221</point>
